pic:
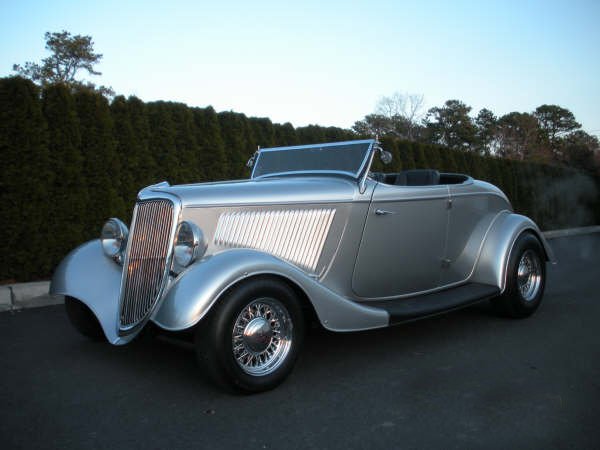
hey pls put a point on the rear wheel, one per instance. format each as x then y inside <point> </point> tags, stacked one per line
<point>252,337</point>
<point>525,279</point>
<point>83,319</point>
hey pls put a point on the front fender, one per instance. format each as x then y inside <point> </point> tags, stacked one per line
<point>89,276</point>
<point>196,290</point>
<point>493,258</point>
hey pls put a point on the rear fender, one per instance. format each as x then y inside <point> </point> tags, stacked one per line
<point>493,258</point>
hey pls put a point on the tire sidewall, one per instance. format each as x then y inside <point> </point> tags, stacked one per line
<point>518,304</point>
<point>221,329</point>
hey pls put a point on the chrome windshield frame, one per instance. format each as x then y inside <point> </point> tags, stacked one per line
<point>355,175</point>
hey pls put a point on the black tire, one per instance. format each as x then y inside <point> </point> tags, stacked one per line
<point>83,319</point>
<point>512,303</point>
<point>215,334</point>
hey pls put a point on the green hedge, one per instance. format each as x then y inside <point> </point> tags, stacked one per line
<point>71,160</point>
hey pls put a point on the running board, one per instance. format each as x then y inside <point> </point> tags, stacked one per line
<point>412,308</point>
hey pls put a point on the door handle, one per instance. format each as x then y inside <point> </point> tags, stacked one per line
<point>383,212</point>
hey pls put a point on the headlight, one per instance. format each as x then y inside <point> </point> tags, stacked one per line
<point>189,244</point>
<point>114,239</point>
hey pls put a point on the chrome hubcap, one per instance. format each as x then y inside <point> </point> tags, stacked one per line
<point>529,275</point>
<point>262,336</point>
<point>258,335</point>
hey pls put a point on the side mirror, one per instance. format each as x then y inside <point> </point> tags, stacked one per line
<point>385,156</point>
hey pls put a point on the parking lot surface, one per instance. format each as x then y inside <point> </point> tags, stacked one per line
<point>467,379</point>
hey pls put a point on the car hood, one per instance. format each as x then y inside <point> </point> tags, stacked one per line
<point>275,190</point>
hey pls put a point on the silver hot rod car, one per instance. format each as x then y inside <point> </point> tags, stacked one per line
<point>243,264</point>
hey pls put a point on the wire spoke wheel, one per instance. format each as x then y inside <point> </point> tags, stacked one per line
<point>529,275</point>
<point>262,336</point>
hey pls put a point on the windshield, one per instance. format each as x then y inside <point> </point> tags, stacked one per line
<point>348,158</point>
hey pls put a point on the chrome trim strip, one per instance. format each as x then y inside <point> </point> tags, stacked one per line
<point>235,205</point>
<point>295,235</point>
<point>326,144</point>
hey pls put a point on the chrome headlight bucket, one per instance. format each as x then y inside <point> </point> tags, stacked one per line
<point>189,245</point>
<point>114,239</point>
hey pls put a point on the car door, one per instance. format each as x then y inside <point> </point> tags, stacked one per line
<point>402,246</point>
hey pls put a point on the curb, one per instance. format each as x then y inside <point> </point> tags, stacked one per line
<point>34,295</point>
<point>27,295</point>
<point>571,232</point>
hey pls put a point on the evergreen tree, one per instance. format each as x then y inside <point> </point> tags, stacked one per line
<point>239,142</point>
<point>336,134</point>
<point>68,192</point>
<point>311,134</point>
<point>263,131</point>
<point>186,148</point>
<point>101,163</point>
<point>24,182</point>
<point>419,155</point>
<point>391,145</point>
<point>459,159</point>
<point>448,161</point>
<point>432,154</point>
<point>148,166</point>
<point>406,155</point>
<point>212,160</point>
<point>126,149</point>
<point>285,135</point>
<point>162,142</point>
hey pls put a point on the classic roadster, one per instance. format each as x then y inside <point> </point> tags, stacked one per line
<point>312,234</point>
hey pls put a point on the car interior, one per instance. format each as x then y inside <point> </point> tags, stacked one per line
<point>418,177</point>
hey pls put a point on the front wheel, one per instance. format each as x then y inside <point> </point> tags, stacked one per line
<point>252,338</point>
<point>525,279</point>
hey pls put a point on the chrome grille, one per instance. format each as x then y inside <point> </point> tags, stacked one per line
<point>146,263</point>
<point>296,235</point>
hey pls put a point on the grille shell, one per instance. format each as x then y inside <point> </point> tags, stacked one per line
<point>147,261</point>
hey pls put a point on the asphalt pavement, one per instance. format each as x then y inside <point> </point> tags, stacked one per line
<point>467,379</point>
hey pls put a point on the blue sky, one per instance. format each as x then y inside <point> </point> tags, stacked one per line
<point>327,62</point>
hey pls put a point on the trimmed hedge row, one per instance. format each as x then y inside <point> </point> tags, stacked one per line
<point>71,160</point>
